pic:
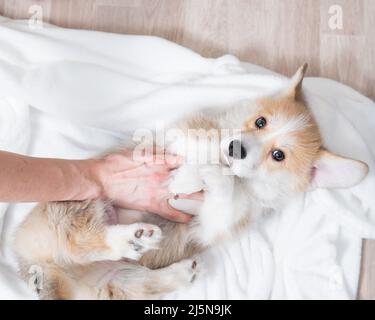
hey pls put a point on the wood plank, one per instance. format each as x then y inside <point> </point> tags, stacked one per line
<point>367,279</point>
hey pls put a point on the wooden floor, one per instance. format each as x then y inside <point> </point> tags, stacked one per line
<point>277,34</point>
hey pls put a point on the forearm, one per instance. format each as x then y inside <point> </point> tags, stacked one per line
<point>28,179</point>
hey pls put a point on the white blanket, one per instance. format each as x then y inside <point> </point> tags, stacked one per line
<point>69,93</point>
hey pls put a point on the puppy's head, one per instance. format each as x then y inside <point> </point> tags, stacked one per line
<point>279,151</point>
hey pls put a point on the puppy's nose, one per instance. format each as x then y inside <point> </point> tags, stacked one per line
<point>237,150</point>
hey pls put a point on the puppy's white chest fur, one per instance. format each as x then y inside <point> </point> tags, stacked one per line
<point>225,203</point>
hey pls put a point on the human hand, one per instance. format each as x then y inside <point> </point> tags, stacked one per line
<point>142,184</point>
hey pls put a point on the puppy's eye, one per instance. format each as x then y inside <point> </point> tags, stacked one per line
<point>278,155</point>
<point>260,122</point>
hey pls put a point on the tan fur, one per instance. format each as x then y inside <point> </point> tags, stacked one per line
<point>295,89</point>
<point>61,232</point>
<point>307,144</point>
<point>199,122</point>
<point>68,240</point>
<point>63,237</point>
<point>175,246</point>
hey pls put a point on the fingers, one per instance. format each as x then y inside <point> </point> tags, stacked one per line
<point>192,196</point>
<point>160,157</point>
<point>178,216</point>
<point>172,214</point>
<point>173,161</point>
<point>165,159</point>
<point>137,158</point>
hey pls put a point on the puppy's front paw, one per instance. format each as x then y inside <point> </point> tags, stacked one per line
<point>132,241</point>
<point>216,181</point>
<point>186,180</point>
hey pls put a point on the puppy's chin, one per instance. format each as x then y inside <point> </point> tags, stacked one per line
<point>236,171</point>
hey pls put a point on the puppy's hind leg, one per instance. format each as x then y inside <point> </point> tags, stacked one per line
<point>78,232</point>
<point>92,239</point>
<point>132,281</point>
<point>132,241</point>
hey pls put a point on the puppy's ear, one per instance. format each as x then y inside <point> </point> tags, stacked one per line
<point>295,86</point>
<point>333,171</point>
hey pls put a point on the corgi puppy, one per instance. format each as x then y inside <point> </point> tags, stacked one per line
<point>268,150</point>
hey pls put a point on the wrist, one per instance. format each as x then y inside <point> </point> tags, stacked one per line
<point>91,186</point>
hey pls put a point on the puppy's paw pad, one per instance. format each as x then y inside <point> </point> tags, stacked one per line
<point>145,237</point>
<point>132,241</point>
<point>189,269</point>
<point>144,230</point>
<point>194,264</point>
<point>194,270</point>
<point>148,232</point>
<point>139,233</point>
